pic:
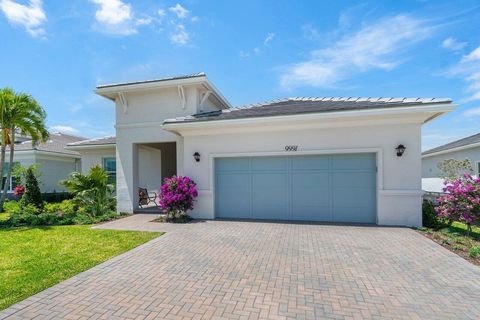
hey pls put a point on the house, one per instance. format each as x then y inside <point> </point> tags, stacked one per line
<point>55,161</point>
<point>93,152</point>
<point>465,148</point>
<point>352,160</point>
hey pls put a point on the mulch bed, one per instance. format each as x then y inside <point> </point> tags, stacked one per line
<point>449,244</point>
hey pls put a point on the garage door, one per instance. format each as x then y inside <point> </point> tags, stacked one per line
<point>331,188</point>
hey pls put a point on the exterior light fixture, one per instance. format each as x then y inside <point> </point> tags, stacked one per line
<point>400,150</point>
<point>196,156</point>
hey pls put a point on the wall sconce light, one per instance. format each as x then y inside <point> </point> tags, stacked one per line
<point>196,156</point>
<point>400,150</point>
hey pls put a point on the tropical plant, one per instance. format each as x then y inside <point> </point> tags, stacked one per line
<point>452,169</point>
<point>177,195</point>
<point>461,201</point>
<point>19,113</point>
<point>92,191</point>
<point>32,195</point>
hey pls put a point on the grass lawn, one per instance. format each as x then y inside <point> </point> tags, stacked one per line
<point>455,239</point>
<point>33,259</point>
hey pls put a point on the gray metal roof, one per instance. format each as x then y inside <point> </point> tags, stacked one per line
<point>56,143</point>
<point>292,106</point>
<point>111,140</point>
<point>455,144</point>
<point>188,76</point>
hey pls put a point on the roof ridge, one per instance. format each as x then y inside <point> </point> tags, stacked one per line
<point>186,76</point>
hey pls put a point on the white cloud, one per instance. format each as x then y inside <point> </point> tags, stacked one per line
<point>472,112</point>
<point>161,13</point>
<point>269,38</point>
<point>180,11</point>
<point>244,54</point>
<point>30,16</point>
<point>180,35</point>
<point>64,129</point>
<point>143,21</point>
<point>468,68</point>
<point>374,46</point>
<point>115,17</point>
<point>452,44</point>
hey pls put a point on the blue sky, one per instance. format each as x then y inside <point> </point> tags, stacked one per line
<point>252,50</point>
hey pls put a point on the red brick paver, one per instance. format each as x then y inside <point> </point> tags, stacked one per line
<point>249,270</point>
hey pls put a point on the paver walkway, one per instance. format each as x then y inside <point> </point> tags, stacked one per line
<point>247,270</point>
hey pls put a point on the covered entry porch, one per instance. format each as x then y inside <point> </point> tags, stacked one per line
<point>153,162</point>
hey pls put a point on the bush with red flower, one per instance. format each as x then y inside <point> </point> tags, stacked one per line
<point>18,191</point>
<point>177,195</point>
<point>461,201</point>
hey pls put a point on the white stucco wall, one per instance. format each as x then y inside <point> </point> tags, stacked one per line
<point>93,157</point>
<point>150,170</point>
<point>52,168</point>
<point>429,163</point>
<point>399,178</point>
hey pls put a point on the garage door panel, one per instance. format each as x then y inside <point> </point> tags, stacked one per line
<point>354,179</point>
<point>308,163</point>
<point>353,161</point>
<point>232,196</point>
<point>353,197</point>
<point>269,164</point>
<point>310,189</point>
<point>269,196</point>
<point>232,164</point>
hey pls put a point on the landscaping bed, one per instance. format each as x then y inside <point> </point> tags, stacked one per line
<point>455,239</point>
<point>33,259</point>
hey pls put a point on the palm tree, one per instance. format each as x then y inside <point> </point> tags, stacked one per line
<point>19,113</point>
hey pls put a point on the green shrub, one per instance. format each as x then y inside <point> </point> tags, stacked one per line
<point>92,191</point>
<point>430,217</point>
<point>11,207</point>
<point>32,195</point>
<point>474,252</point>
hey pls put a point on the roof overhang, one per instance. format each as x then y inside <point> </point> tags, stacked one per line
<point>422,113</point>
<point>91,146</point>
<point>112,91</point>
<point>465,147</point>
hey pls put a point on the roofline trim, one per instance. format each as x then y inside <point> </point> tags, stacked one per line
<point>438,108</point>
<point>154,84</point>
<point>460,148</point>
<point>90,146</point>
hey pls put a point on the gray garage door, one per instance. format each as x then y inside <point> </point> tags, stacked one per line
<point>332,188</point>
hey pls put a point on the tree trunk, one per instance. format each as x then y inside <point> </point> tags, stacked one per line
<point>9,173</point>
<point>2,166</point>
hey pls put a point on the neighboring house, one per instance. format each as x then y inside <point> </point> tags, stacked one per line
<point>55,162</point>
<point>320,159</point>
<point>465,148</point>
<point>93,152</point>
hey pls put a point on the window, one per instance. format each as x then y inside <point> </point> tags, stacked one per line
<point>13,181</point>
<point>478,169</point>
<point>110,166</point>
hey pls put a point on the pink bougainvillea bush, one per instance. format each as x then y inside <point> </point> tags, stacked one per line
<point>461,201</point>
<point>177,195</point>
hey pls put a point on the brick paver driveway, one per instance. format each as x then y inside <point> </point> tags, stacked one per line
<point>228,269</point>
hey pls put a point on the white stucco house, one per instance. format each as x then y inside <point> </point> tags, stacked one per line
<point>315,159</point>
<point>55,161</point>
<point>467,148</point>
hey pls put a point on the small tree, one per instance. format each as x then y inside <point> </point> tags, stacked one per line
<point>92,191</point>
<point>452,169</point>
<point>32,194</point>
<point>177,195</point>
<point>461,201</point>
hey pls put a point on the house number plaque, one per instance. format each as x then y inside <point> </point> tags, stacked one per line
<point>291,148</point>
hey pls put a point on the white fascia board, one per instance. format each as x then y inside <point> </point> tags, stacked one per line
<point>434,109</point>
<point>469,146</point>
<point>92,146</point>
<point>26,153</point>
